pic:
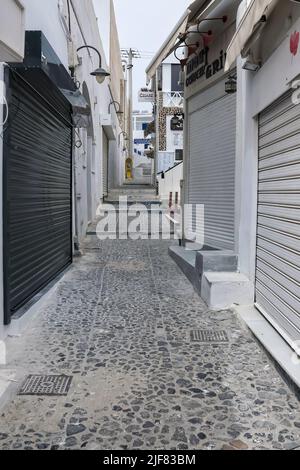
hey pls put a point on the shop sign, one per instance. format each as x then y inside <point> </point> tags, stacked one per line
<point>142,141</point>
<point>146,96</point>
<point>200,66</point>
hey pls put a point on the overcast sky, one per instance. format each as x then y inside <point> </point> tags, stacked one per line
<point>144,25</point>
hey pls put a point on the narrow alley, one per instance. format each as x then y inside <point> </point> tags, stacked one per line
<point>119,323</point>
<point>150,228</point>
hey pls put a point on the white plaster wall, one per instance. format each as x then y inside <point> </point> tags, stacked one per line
<point>45,16</point>
<point>2,90</point>
<point>166,77</point>
<point>174,138</point>
<point>12,25</point>
<point>102,10</point>
<point>170,183</point>
<point>255,92</point>
<point>100,98</point>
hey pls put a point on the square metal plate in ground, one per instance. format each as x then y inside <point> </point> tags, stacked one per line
<point>209,336</point>
<point>49,385</point>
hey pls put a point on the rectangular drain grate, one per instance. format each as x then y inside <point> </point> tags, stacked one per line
<point>51,385</point>
<point>209,336</point>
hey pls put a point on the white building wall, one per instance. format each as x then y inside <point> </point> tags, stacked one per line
<point>2,110</point>
<point>100,98</point>
<point>256,91</point>
<point>174,138</point>
<point>167,77</point>
<point>12,38</point>
<point>170,183</point>
<point>46,16</point>
<point>102,10</point>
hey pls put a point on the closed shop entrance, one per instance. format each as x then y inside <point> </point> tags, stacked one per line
<point>211,164</point>
<point>278,231</point>
<point>37,190</point>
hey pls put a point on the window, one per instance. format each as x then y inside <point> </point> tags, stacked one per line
<point>139,126</point>
<point>175,73</point>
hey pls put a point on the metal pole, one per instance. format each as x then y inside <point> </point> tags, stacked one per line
<point>130,90</point>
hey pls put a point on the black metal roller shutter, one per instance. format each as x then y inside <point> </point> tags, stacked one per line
<point>37,193</point>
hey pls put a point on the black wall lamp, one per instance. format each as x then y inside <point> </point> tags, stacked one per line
<point>177,122</point>
<point>231,85</point>
<point>100,73</point>
<point>124,134</point>
<point>119,107</point>
<point>222,18</point>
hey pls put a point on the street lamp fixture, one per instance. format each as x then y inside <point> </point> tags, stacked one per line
<point>177,122</point>
<point>192,48</point>
<point>224,19</point>
<point>125,136</point>
<point>119,107</point>
<point>100,73</point>
<point>231,85</point>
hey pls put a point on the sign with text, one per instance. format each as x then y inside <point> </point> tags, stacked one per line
<point>146,96</point>
<point>200,66</point>
<point>142,141</point>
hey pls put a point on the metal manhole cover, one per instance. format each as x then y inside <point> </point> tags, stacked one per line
<point>209,336</point>
<point>50,385</point>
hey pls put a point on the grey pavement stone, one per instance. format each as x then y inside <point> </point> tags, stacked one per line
<point>119,322</point>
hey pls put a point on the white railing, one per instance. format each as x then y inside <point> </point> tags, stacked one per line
<point>173,99</point>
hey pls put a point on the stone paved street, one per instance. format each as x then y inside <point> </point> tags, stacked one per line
<point>119,323</point>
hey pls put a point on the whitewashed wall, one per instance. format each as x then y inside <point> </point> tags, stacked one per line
<point>2,110</point>
<point>46,17</point>
<point>256,91</point>
<point>170,183</point>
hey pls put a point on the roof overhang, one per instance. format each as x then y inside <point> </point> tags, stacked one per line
<point>108,126</point>
<point>167,46</point>
<point>249,29</point>
<point>43,67</point>
<point>191,16</point>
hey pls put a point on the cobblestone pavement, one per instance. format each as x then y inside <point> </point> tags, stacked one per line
<point>119,323</point>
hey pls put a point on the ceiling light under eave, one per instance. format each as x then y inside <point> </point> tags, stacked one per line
<point>251,66</point>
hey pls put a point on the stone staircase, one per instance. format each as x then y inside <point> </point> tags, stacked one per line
<point>134,193</point>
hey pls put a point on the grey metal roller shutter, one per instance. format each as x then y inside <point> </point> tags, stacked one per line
<point>105,165</point>
<point>211,165</point>
<point>37,193</point>
<point>278,230</point>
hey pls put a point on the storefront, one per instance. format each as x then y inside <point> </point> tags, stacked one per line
<point>210,145</point>
<point>269,167</point>
<point>37,173</point>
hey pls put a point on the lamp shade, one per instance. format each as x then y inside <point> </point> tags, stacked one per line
<point>100,74</point>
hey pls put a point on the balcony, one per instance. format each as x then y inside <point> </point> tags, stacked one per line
<point>173,99</point>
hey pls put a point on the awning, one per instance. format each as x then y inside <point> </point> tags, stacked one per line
<point>248,27</point>
<point>81,111</point>
<point>43,67</point>
<point>188,19</point>
<point>167,46</point>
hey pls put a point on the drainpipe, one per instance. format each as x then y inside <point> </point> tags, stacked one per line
<point>77,251</point>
